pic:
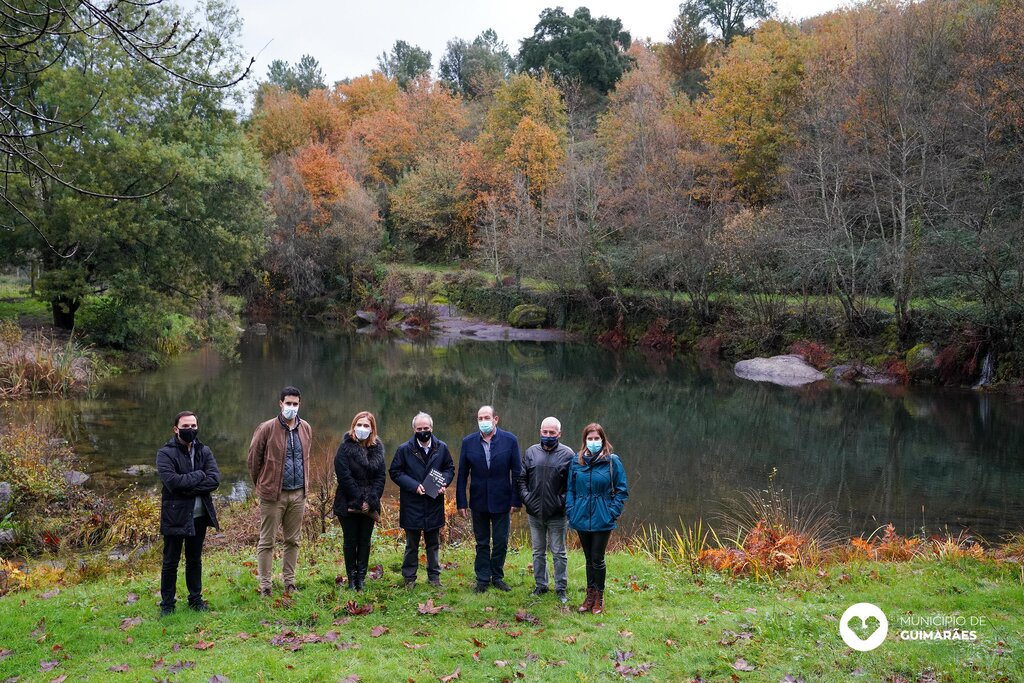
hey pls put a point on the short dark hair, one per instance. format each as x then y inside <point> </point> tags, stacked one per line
<point>290,391</point>
<point>184,413</point>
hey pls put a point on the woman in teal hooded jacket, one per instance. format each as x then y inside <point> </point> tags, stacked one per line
<point>596,494</point>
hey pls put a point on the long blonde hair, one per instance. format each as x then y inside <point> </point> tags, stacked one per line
<point>606,449</point>
<point>372,438</point>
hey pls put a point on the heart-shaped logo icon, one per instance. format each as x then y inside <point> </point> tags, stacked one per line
<point>863,611</point>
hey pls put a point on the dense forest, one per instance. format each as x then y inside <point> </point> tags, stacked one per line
<point>854,179</point>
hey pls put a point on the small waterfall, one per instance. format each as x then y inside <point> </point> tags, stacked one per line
<point>987,370</point>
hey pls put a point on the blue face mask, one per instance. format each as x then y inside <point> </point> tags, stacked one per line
<point>486,426</point>
<point>549,442</point>
<point>595,446</point>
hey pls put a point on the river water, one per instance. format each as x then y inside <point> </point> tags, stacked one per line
<point>693,437</point>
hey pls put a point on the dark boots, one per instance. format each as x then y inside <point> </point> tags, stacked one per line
<point>598,607</point>
<point>588,602</point>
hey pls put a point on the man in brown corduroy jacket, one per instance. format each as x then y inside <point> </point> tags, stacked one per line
<point>280,460</point>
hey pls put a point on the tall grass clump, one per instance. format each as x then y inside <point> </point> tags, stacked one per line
<point>36,365</point>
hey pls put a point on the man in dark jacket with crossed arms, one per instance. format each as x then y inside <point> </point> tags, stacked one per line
<point>542,486</point>
<point>189,474</point>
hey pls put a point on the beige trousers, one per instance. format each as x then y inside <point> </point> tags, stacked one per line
<point>285,512</point>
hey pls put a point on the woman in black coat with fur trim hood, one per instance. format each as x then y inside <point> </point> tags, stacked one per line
<point>359,465</point>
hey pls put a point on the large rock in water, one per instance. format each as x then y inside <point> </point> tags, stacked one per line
<point>527,315</point>
<point>789,371</point>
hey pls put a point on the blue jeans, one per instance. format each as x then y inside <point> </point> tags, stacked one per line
<point>545,535</point>
<point>491,532</point>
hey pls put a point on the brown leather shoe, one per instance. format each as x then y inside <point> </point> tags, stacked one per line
<point>588,602</point>
<point>598,607</point>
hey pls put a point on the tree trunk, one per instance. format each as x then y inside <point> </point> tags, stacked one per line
<point>64,310</point>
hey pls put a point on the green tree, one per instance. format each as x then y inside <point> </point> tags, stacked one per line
<point>730,18</point>
<point>522,96</point>
<point>405,63</point>
<point>302,78</point>
<point>475,68</point>
<point>577,46</point>
<point>197,221</point>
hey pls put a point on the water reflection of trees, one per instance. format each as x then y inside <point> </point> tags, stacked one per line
<point>691,436</point>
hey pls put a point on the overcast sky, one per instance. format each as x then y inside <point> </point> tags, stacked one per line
<point>347,37</point>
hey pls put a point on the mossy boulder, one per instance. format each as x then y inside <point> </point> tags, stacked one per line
<point>921,363</point>
<point>527,315</point>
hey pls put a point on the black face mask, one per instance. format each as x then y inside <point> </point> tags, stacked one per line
<point>549,442</point>
<point>424,436</point>
<point>187,435</point>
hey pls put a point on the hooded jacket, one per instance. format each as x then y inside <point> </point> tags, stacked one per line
<point>361,476</point>
<point>596,494</point>
<point>543,480</point>
<point>409,469</point>
<point>183,483</point>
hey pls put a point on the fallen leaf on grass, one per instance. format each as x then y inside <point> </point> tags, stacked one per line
<point>632,671</point>
<point>131,599</point>
<point>413,646</point>
<point>477,643</point>
<point>626,634</point>
<point>429,607</point>
<point>60,679</point>
<point>351,678</point>
<point>741,665</point>
<point>513,634</point>
<point>789,678</point>
<point>476,656</point>
<point>376,572</point>
<point>347,646</point>
<point>204,645</point>
<point>523,615</point>
<point>120,668</point>
<point>670,643</point>
<point>331,636</point>
<point>557,662</point>
<point>48,665</point>
<point>378,631</point>
<point>453,676</point>
<point>178,667</point>
<point>701,621</point>
<point>353,607</point>
<point>4,654</point>
<point>50,594</point>
<point>570,639</point>
<point>500,663</point>
<point>40,631</point>
<point>130,622</point>
<point>341,622</point>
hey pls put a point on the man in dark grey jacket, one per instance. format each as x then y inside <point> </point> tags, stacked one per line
<point>542,486</point>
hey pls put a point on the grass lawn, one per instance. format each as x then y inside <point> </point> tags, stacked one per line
<point>660,623</point>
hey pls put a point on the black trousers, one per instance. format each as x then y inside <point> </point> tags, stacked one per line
<point>358,530</point>
<point>411,561</point>
<point>594,544</point>
<point>491,533</point>
<point>193,566</point>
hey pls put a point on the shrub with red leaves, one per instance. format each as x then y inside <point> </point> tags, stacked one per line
<point>814,353</point>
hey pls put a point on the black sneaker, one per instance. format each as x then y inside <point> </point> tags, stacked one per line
<point>264,592</point>
<point>562,596</point>
<point>481,587</point>
<point>410,584</point>
<point>201,606</point>
<point>538,591</point>
<point>435,582</point>
<point>501,585</point>
<point>166,611</point>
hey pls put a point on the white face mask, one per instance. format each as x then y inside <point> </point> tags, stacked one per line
<point>289,412</point>
<point>362,433</point>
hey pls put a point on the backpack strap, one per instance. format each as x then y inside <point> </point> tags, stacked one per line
<point>611,472</point>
